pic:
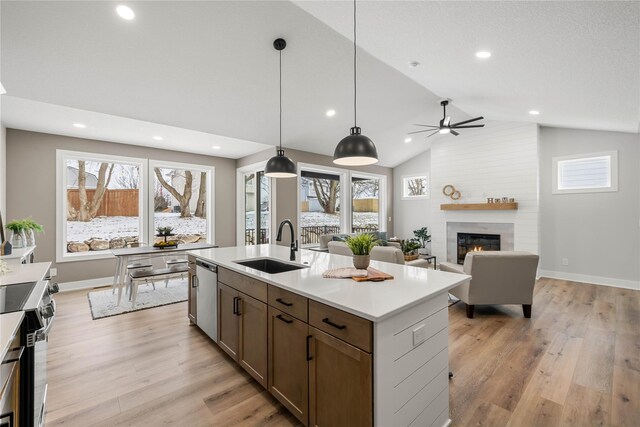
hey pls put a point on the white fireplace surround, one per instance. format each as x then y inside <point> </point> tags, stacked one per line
<point>504,229</point>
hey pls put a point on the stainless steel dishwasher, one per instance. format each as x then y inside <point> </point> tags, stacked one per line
<point>207,298</point>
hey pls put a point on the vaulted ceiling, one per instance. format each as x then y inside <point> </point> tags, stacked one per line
<point>205,73</point>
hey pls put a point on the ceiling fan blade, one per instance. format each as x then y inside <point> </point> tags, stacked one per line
<point>419,131</point>
<point>454,132</point>
<point>431,134</point>
<point>466,127</point>
<point>427,126</point>
<point>468,121</point>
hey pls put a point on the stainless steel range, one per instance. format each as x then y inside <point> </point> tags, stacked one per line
<point>34,298</point>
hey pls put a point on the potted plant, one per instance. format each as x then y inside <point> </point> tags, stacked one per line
<point>164,231</point>
<point>422,234</point>
<point>31,228</point>
<point>18,238</point>
<point>361,245</point>
<point>410,249</point>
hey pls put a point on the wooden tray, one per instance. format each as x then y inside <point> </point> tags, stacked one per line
<point>373,276</point>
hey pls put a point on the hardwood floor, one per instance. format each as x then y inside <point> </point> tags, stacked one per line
<point>576,362</point>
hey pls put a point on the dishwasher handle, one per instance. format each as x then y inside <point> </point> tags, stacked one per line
<point>211,267</point>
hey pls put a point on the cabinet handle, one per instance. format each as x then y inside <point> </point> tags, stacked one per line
<point>235,305</point>
<point>279,316</point>
<point>194,282</point>
<point>288,304</point>
<point>309,347</point>
<point>335,325</point>
<point>238,302</point>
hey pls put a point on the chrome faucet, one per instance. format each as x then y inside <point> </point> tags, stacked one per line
<point>294,241</point>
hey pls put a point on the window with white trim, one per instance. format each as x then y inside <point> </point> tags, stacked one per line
<point>586,173</point>
<point>106,202</point>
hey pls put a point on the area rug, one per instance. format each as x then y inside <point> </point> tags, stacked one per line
<point>104,303</point>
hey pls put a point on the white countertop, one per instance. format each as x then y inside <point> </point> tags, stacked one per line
<point>21,273</point>
<point>9,324</point>
<point>372,300</point>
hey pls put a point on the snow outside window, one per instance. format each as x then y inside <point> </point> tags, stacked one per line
<point>596,172</point>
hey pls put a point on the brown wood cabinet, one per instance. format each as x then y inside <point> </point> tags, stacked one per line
<point>253,337</point>
<point>288,364</point>
<point>228,320</point>
<point>340,383</point>
<point>192,310</point>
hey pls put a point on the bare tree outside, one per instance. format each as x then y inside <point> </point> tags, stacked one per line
<point>183,198</point>
<point>89,208</point>
<point>127,177</point>
<point>201,204</point>
<point>327,191</point>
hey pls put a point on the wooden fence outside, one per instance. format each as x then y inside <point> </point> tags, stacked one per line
<point>365,205</point>
<point>115,202</point>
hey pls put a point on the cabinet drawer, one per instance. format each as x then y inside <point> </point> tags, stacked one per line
<point>244,284</point>
<point>352,329</point>
<point>288,302</point>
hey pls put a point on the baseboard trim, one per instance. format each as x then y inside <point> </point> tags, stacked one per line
<point>85,284</point>
<point>595,280</point>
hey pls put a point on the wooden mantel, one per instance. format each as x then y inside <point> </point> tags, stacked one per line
<point>478,206</point>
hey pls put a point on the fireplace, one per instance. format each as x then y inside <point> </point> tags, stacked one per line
<point>469,242</point>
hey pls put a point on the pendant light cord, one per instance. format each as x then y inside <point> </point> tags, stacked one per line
<point>355,83</point>
<point>280,100</point>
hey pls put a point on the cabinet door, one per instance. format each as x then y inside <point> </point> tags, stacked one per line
<point>253,337</point>
<point>340,383</point>
<point>288,366</point>
<point>192,304</point>
<point>228,319</point>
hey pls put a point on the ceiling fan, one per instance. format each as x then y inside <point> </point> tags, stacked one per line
<point>445,124</point>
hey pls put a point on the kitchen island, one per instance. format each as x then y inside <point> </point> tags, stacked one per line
<point>376,353</point>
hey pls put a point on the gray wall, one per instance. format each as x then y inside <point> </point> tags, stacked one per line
<point>598,232</point>
<point>411,214</point>
<point>31,191</point>
<point>286,188</point>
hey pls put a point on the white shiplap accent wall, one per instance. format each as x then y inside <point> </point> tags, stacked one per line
<point>499,160</point>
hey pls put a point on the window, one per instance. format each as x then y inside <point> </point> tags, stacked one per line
<point>106,202</point>
<point>254,205</point>
<point>415,187</point>
<point>180,200</point>
<point>585,173</point>
<point>365,208</point>
<point>320,204</point>
<point>333,200</point>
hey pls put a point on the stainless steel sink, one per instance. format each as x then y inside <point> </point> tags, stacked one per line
<point>270,265</point>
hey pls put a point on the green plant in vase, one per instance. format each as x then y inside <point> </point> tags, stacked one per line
<point>31,228</point>
<point>410,246</point>
<point>18,238</point>
<point>361,245</point>
<point>423,235</point>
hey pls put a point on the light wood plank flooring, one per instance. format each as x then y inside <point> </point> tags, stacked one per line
<point>575,363</point>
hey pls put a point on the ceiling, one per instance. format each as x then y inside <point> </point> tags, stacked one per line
<point>205,73</point>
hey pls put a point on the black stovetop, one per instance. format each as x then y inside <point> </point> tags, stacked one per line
<point>13,297</point>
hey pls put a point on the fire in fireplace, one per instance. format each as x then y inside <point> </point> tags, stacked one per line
<point>472,242</point>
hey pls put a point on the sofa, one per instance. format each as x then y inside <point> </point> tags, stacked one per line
<point>498,277</point>
<point>324,239</point>
<point>390,253</point>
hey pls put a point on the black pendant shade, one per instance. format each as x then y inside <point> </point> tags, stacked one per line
<point>280,166</point>
<point>355,150</point>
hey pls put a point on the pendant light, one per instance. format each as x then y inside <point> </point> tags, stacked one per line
<point>280,166</point>
<point>355,149</point>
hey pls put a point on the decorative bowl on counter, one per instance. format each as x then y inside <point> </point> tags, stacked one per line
<point>166,245</point>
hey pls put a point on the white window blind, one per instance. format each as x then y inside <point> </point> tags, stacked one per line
<point>586,173</point>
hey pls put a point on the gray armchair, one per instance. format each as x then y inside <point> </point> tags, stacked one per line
<point>498,277</point>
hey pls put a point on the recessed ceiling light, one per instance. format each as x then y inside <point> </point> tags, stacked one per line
<point>79,125</point>
<point>158,138</point>
<point>330,113</point>
<point>483,54</point>
<point>407,140</point>
<point>216,147</point>
<point>414,64</point>
<point>445,130</point>
<point>534,112</point>
<point>125,12</point>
